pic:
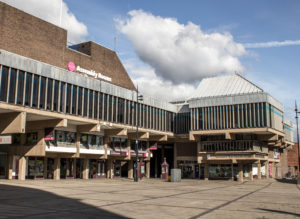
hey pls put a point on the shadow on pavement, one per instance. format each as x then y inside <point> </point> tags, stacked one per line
<point>279,212</point>
<point>291,181</point>
<point>17,201</point>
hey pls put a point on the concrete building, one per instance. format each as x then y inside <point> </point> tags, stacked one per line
<point>71,112</point>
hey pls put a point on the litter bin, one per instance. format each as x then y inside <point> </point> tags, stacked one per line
<point>175,175</point>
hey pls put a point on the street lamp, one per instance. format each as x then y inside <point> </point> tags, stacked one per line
<point>296,111</point>
<point>138,98</point>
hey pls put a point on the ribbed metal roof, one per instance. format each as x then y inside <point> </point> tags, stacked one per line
<point>225,86</point>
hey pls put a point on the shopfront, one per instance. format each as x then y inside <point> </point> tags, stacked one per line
<point>35,167</point>
<point>97,168</point>
<point>223,171</point>
<point>67,168</point>
<point>189,169</point>
<point>3,165</point>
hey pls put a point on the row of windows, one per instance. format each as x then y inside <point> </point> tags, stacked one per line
<point>251,115</point>
<point>27,89</point>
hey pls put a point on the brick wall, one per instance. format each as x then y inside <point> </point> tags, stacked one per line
<point>29,36</point>
<point>292,156</point>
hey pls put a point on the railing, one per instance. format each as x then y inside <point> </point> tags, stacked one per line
<point>238,145</point>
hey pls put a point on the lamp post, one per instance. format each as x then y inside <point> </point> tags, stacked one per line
<point>296,111</point>
<point>138,98</point>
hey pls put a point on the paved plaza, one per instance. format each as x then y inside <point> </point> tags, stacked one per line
<point>123,198</point>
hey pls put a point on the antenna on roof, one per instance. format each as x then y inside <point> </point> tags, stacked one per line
<point>115,43</point>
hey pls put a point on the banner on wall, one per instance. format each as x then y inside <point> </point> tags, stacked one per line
<point>7,139</point>
<point>49,134</point>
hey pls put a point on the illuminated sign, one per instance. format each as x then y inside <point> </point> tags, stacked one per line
<point>6,139</point>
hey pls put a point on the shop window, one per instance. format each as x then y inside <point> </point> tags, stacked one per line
<point>85,102</point>
<point>62,96</point>
<point>60,137</point>
<point>12,85</point>
<point>35,91</point>
<point>42,92</point>
<point>79,93</point>
<point>68,98</point>
<point>31,138</point>
<point>49,93</point>
<point>96,98</point>
<point>28,84</point>
<point>35,167</point>
<point>70,138</point>
<point>55,95</point>
<point>4,83</point>
<point>20,87</point>
<point>91,97</point>
<point>74,99</point>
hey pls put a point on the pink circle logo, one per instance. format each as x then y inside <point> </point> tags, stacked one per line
<point>71,66</point>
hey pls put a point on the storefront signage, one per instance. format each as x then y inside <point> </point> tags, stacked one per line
<point>72,67</point>
<point>6,139</point>
<point>153,147</point>
<point>49,134</point>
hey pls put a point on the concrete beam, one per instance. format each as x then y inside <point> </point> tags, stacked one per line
<point>50,123</point>
<point>89,128</point>
<point>115,132</point>
<point>141,135</point>
<point>268,137</point>
<point>158,138</point>
<point>12,122</point>
<point>229,136</point>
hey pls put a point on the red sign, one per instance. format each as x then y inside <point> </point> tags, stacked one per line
<point>49,134</point>
<point>71,66</point>
<point>6,139</point>
<point>153,147</point>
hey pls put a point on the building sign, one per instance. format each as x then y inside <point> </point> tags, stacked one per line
<point>49,134</point>
<point>153,147</point>
<point>6,139</point>
<point>72,68</point>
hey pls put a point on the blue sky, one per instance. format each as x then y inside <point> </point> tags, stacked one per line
<point>240,25</point>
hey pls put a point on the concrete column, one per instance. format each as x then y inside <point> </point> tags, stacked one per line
<point>232,173</point>
<point>259,170</point>
<point>74,168</point>
<point>45,167</point>
<point>206,171</point>
<point>68,168</point>
<point>56,168</point>
<point>109,174</point>
<point>85,172</point>
<point>251,173</point>
<point>22,168</point>
<point>10,163</point>
<point>175,155</point>
<point>148,169</point>
<point>267,169</point>
<point>240,169</point>
<point>130,169</point>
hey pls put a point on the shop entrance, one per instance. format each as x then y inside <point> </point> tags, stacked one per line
<point>79,168</point>
<point>162,151</point>
<point>124,169</point>
<point>50,168</point>
<point>35,168</point>
<point>97,169</point>
<point>3,165</point>
<point>66,168</point>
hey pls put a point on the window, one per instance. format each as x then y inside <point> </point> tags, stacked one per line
<point>79,93</point>
<point>105,105</point>
<point>85,103</point>
<point>4,83</point>
<point>20,93</point>
<point>91,97</point>
<point>35,91</point>
<point>96,105</point>
<point>55,95</point>
<point>74,99</point>
<point>62,96</point>
<point>68,97</point>
<point>49,93</point>
<point>109,102</point>
<point>121,111</point>
<point>42,92</point>
<point>100,105</point>
<point>28,82</point>
<point>12,85</point>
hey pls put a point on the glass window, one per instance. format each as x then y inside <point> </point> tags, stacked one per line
<point>79,93</point>
<point>85,102</point>
<point>28,82</point>
<point>20,87</point>
<point>62,96</point>
<point>31,138</point>
<point>100,105</point>
<point>105,106</point>
<point>49,93</point>
<point>91,97</point>
<point>42,92</point>
<point>35,91</point>
<point>55,95</point>
<point>68,101</point>
<point>12,85</point>
<point>74,99</point>
<point>109,100</point>
<point>4,83</point>
<point>121,111</point>
<point>114,105</point>
<point>96,105</point>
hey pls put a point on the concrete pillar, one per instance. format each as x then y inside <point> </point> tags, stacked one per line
<point>148,169</point>
<point>251,173</point>
<point>68,168</point>
<point>45,167</point>
<point>130,169</point>
<point>56,168</point>
<point>85,171</point>
<point>74,168</point>
<point>175,155</point>
<point>109,174</point>
<point>22,168</point>
<point>206,171</point>
<point>267,169</point>
<point>10,163</point>
<point>240,169</point>
<point>259,170</point>
<point>232,173</point>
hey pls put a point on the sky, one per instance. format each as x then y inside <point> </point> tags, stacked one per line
<point>168,46</point>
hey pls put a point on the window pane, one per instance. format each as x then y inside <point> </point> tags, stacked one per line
<point>28,82</point>
<point>20,87</point>
<point>105,106</point>
<point>35,91</point>
<point>4,85</point>
<point>62,96</point>
<point>68,101</point>
<point>91,95</point>
<point>95,105</point>
<point>42,92</point>
<point>49,93</point>
<point>100,105</point>
<point>79,101</point>
<point>85,102</point>
<point>55,96</point>
<point>12,85</point>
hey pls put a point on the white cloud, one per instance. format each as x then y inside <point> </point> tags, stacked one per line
<point>272,44</point>
<point>180,53</point>
<point>151,85</point>
<point>49,10</point>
